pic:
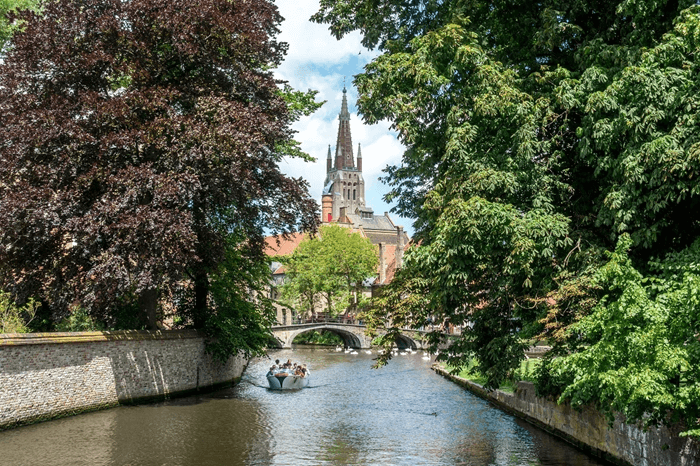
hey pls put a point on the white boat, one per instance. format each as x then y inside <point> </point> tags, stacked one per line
<point>287,382</point>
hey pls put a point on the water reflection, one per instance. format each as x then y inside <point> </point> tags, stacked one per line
<point>401,414</point>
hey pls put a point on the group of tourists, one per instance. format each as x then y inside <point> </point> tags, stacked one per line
<point>288,368</point>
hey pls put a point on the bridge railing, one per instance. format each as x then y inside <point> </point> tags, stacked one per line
<point>327,320</point>
<point>321,319</point>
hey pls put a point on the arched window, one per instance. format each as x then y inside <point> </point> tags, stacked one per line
<point>354,191</point>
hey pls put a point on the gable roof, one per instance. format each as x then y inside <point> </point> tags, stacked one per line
<point>286,245</point>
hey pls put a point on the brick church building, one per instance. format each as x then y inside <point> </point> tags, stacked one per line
<point>343,203</point>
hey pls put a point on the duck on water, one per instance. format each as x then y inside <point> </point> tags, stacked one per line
<point>288,375</point>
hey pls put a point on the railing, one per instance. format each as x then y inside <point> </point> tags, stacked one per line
<point>321,319</point>
<point>325,320</point>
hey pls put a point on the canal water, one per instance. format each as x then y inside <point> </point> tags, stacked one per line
<point>402,414</point>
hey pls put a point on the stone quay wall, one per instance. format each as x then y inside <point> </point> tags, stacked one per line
<point>49,375</point>
<point>622,444</point>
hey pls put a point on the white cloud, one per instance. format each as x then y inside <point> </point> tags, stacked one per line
<point>311,43</point>
<point>318,61</point>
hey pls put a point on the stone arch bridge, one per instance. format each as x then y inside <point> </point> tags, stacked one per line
<point>353,335</point>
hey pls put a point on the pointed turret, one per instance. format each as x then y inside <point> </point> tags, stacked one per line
<point>359,157</point>
<point>343,147</point>
<point>329,161</point>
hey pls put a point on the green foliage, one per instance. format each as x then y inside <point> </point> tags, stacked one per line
<point>641,354</point>
<point>14,318</point>
<point>79,320</point>
<point>329,268</point>
<point>241,315</point>
<point>126,314</point>
<point>537,133</point>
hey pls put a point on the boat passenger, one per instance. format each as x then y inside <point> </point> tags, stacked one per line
<point>272,371</point>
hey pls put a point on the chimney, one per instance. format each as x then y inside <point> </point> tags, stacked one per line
<point>326,208</point>
<point>359,158</point>
<point>399,246</point>
<point>329,161</point>
<point>382,264</point>
<point>341,217</point>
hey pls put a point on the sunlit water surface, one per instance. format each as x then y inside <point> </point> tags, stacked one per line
<point>402,414</point>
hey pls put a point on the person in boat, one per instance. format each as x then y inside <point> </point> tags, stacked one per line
<point>272,371</point>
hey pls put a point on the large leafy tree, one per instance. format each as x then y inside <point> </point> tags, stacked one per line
<point>137,137</point>
<point>640,353</point>
<point>331,268</point>
<point>537,133</point>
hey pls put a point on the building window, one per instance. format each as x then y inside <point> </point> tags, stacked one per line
<point>354,191</point>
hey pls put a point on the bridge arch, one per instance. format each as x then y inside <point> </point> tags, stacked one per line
<point>350,339</point>
<point>406,342</point>
<point>353,335</point>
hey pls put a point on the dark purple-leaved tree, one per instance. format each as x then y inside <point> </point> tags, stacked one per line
<point>135,136</point>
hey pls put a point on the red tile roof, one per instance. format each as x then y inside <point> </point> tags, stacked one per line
<point>285,246</point>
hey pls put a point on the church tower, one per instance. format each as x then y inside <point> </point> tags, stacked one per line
<point>344,188</point>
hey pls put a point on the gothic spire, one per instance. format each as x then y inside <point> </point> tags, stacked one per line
<point>359,157</point>
<point>343,146</point>
<point>329,161</point>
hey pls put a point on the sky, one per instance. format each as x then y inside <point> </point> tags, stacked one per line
<point>318,61</point>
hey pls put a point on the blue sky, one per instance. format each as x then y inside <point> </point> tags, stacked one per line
<point>317,61</point>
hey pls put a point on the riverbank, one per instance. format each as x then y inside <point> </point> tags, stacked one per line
<point>50,375</point>
<point>621,443</point>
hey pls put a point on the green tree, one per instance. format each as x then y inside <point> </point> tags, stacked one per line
<point>241,315</point>
<point>13,318</point>
<point>331,267</point>
<point>537,133</point>
<point>640,353</point>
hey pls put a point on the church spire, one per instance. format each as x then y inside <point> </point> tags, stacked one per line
<point>343,147</point>
<point>359,157</point>
<point>329,161</point>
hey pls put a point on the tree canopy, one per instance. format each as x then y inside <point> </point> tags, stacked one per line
<point>7,27</point>
<point>537,134</point>
<point>329,269</point>
<point>141,143</point>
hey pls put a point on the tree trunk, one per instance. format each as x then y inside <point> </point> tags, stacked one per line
<point>201,278</point>
<point>148,303</point>
<point>201,292</point>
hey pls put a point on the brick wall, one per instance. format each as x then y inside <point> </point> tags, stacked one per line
<point>622,443</point>
<point>43,376</point>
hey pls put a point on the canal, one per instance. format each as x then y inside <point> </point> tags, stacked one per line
<point>403,414</point>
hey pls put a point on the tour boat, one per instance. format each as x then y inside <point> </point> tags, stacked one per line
<point>283,381</point>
